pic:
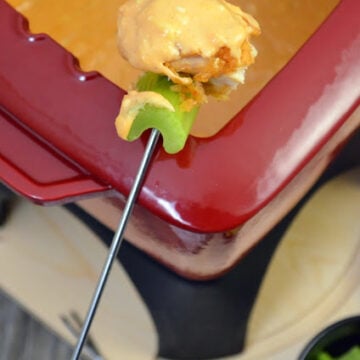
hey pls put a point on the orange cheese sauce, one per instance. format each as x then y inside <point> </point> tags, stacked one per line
<point>153,34</point>
<point>88,29</point>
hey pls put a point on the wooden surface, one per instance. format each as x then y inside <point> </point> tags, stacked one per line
<point>50,262</point>
<point>24,338</point>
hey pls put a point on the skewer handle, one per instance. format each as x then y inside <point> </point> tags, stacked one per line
<point>117,241</point>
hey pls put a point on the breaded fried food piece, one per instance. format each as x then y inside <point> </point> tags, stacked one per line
<point>203,46</point>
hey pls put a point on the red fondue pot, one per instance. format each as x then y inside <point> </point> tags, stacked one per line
<point>200,210</point>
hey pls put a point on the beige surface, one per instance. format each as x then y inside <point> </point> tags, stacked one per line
<point>49,261</point>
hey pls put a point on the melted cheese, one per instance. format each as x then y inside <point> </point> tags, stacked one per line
<point>132,103</point>
<point>154,34</point>
<point>89,30</point>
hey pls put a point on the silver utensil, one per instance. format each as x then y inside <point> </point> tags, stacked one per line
<point>74,324</point>
<point>117,240</point>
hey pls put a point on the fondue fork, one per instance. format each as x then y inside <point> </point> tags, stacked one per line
<point>116,241</point>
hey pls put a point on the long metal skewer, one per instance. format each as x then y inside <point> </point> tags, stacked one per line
<point>117,241</point>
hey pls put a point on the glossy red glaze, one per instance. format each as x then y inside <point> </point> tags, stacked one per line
<point>24,158</point>
<point>213,184</point>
